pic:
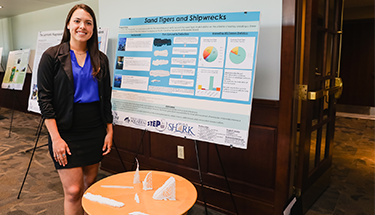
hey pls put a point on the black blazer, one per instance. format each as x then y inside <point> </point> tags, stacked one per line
<point>56,86</point>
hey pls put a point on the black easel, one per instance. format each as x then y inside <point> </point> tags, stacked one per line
<point>39,130</point>
<point>200,176</point>
<point>139,148</point>
<point>32,155</point>
<point>11,119</point>
<point>14,97</point>
<point>118,154</point>
<point>201,180</point>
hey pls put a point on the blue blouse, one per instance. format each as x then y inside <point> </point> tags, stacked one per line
<point>86,88</point>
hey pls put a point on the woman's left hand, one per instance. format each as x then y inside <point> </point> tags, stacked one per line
<point>108,140</point>
<point>107,145</point>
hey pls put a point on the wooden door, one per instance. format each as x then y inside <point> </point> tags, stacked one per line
<point>358,56</point>
<point>320,44</point>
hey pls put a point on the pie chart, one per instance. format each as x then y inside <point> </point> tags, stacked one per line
<point>237,55</point>
<point>210,54</point>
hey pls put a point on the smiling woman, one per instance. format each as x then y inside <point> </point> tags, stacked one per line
<point>74,98</point>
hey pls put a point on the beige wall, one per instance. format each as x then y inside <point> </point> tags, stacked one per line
<point>267,77</point>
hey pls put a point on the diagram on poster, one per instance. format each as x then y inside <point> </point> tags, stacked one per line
<point>15,72</point>
<point>48,39</point>
<point>189,76</point>
<point>212,52</point>
<point>240,52</point>
<point>209,82</point>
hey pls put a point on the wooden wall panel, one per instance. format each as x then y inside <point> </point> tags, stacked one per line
<point>357,64</point>
<point>255,165</point>
<point>251,172</point>
<point>21,96</point>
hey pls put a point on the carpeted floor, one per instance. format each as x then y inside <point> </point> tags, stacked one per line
<point>351,191</point>
<point>42,192</point>
<point>353,169</point>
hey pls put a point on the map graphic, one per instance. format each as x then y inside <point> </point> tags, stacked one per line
<point>210,54</point>
<point>237,55</point>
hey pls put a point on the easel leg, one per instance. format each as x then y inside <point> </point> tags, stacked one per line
<point>118,153</point>
<point>139,148</point>
<point>226,179</point>
<point>38,130</point>
<point>39,126</point>
<point>11,119</point>
<point>28,168</point>
<point>200,176</point>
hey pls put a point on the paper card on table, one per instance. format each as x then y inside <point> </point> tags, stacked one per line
<point>136,198</point>
<point>147,183</point>
<point>167,191</point>
<point>103,200</point>
<point>137,213</point>
<point>136,179</point>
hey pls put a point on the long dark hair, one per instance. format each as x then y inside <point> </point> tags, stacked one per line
<point>92,43</point>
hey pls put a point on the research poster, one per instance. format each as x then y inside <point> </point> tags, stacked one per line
<point>15,71</point>
<point>45,40</point>
<point>190,76</point>
<point>48,39</point>
<point>103,39</point>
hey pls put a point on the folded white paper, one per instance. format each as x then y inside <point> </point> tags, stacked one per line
<point>136,198</point>
<point>116,186</point>
<point>103,200</point>
<point>136,178</point>
<point>137,213</point>
<point>167,191</point>
<point>147,183</point>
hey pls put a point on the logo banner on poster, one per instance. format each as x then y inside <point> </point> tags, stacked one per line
<point>189,76</point>
<point>48,39</point>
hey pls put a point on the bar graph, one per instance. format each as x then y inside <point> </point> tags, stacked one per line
<point>209,82</point>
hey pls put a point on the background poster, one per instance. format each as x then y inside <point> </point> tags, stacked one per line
<point>1,55</point>
<point>15,72</point>
<point>103,39</point>
<point>189,76</point>
<point>45,40</point>
<point>48,39</point>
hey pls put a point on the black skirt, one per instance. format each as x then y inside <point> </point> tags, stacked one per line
<point>85,138</point>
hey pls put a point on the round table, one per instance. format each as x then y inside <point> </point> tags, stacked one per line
<point>186,195</point>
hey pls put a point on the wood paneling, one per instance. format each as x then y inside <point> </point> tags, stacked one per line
<point>251,172</point>
<point>15,98</point>
<point>357,65</point>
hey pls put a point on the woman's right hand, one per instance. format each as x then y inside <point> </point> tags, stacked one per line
<point>60,151</point>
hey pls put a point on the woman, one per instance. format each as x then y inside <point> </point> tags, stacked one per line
<point>75,101</point>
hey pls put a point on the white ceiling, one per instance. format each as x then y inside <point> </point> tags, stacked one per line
<point>17,7</point>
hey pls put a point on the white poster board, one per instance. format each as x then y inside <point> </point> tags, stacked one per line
<point>15,72</point>
<point>45,40</point>
<point>190,76</point>
<point>1,55</point>
<point>48,39</point>
<point>103,39</point>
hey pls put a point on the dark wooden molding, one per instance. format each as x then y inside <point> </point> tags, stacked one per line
<point>284,170</point>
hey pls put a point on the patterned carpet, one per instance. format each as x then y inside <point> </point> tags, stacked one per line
<point>42,193</point>
<point>351,191</point>
<point>353,171</point>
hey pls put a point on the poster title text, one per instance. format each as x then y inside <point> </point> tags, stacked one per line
<point>191,18</point>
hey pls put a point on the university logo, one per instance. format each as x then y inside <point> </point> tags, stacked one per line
<point>182,128</point>
<point>159,125</point>
<point>135,121</point>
